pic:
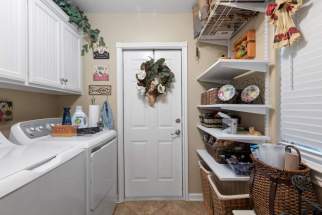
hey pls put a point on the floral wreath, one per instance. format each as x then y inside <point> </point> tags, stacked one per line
<point>154,79</point>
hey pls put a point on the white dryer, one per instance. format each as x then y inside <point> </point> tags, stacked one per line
<point>101,159</point>
<point>41,179</point>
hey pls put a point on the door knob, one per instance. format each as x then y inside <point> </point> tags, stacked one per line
<point>176,133</point>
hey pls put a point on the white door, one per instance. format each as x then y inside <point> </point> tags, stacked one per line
<point>152,154</point>
<point>13,40</point>
<point>44,45</point>
<point>71,58</point>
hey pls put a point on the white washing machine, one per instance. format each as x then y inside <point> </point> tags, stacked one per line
<point>101,159</point>
<point>41,179</point>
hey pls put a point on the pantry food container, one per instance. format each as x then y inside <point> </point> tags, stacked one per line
<point>228,196</point>
<point>272,154</point>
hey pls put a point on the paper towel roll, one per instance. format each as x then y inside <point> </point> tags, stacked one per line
<point>93,115</point>
<point>291,161</point>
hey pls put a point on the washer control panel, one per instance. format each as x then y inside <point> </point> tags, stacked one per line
<point>39,128</point>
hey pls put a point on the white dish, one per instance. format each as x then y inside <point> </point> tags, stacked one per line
<point>226,92</point>
<point>250,93</point>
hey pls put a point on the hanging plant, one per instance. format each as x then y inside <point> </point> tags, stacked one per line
<point>154,79</point>
<point>78,17</point>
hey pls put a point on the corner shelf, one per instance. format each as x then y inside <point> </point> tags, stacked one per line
<point>219,134</point>
<point>222,171</point>
<point>246,108</point>
<point>228,69</point>
<point>228,17</point>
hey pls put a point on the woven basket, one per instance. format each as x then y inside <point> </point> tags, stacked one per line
<point>207,201</point>
<point>228,196</point>
<point>217,148</point>
<point>272,191</point>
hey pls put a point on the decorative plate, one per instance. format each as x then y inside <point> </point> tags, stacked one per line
<point>226,92</point>
<point>250,93</point>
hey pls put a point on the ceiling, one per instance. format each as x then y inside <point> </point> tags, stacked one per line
<point>163,6</point>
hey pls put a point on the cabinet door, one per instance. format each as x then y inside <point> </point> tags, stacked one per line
<point>13,40</point>
<point>71,58</point>
<point>44,45</point>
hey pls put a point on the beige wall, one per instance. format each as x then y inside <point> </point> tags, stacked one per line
<point>27,106</point>
<point>147,27</point>
<point>150,27</point>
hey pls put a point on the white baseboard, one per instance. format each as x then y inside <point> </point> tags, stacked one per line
<point>195,197</point>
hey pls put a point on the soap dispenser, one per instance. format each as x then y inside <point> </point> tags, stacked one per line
<point>79,118</point>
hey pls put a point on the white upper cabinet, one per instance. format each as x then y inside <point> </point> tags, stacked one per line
<point>39,49</point>
<point>13,40</point>
<point>70,58</point>
<point>44,45</point>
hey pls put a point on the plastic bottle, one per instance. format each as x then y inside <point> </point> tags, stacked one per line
<point>66,117</point>
<point>79,118</point>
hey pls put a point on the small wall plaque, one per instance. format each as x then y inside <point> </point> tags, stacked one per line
<point>6,111</point>
<point>101,52</point>
<point>100,90</point>
<point>101,73</point>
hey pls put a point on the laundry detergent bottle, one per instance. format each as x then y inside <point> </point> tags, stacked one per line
<point>79,118</point>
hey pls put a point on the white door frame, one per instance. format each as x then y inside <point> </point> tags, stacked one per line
<point>120,47</point>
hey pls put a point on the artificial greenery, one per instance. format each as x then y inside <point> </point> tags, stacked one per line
<point>154,79</point>
<point>78,17</point>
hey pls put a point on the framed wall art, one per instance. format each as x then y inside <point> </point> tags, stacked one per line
<point>6,111</point>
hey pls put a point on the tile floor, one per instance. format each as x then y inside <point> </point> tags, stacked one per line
<point>160,208</point>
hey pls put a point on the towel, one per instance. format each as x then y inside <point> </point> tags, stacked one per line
<point>106,115</point>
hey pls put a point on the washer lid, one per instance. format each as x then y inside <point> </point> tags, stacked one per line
<point>16,158</point>
<point>84,142</point>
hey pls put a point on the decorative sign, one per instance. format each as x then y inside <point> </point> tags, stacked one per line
<point>6,109</point>
<point>100,90</point>
<point>101,52</point>
<point>101,73</point>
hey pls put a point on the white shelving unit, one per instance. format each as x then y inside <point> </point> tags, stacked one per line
<point>219,134</point>
<point>246,108</point>
<point>228,69</point>
<point>220,18</point>
<point>222,171</point>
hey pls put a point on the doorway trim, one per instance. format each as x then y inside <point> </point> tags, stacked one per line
<point>120,47</point>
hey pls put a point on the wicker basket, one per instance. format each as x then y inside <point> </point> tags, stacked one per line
<point>216,149</point>
<point>224,147</point>
<point>228,196</point>
<point>207,201</point>
<point>212,95</point>
<point>272,191</point>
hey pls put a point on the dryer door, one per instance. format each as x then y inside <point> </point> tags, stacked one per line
<point>103,174</point>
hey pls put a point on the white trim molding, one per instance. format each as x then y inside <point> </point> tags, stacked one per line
<point>120,47</point>
<point>198,197</point>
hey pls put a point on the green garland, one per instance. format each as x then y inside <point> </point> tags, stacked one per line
<point>79,18</point>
